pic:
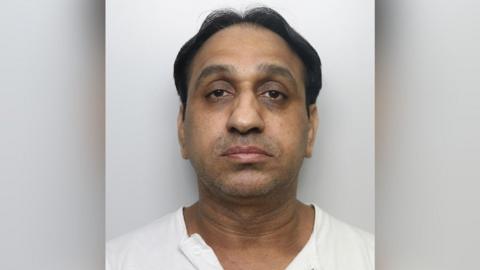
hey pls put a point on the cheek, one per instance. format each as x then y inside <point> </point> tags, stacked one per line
<point>201,132</point>
<point>292,134</point>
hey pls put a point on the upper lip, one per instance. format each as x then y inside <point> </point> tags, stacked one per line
<point>245,150</point>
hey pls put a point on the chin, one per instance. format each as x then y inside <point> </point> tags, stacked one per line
<point>246,185</point>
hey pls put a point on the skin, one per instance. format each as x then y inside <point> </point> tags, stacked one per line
<point>246,89</point>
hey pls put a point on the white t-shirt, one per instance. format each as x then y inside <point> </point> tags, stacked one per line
<point>165,244</point>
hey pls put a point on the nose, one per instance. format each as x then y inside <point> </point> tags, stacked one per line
<point>245,116</point>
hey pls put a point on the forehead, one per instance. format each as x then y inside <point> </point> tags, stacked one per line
<point>246,47</point>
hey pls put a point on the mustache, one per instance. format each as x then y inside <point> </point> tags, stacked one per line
<point>267,144</point>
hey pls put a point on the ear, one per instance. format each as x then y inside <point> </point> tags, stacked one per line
<point>312,129</point>
<point>181,132</point>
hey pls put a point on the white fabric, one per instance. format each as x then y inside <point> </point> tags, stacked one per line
<point>165,244</point>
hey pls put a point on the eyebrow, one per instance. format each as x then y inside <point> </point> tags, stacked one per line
<point>269,69</point>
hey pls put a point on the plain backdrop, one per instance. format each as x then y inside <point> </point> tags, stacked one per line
<point>428,135</point>
<point>52,127</point>
<point>52,135</point>
<point>145,175</point>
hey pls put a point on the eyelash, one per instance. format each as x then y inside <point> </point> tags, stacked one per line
<point>275,92</point>
<point>216,91</point>
<point>280,96</point>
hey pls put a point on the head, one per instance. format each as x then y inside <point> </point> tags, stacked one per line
<point>248,85</point>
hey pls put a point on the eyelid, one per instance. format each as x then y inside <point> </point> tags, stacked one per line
<point>217,85</point>
<point>273,86</point>
<point>213,89</point>
<point>281,93</point>
<point>211,97</point>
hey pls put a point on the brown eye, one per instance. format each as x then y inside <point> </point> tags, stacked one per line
<point>218,93</point>
<point>274,94</point>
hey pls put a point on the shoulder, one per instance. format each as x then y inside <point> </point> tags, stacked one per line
<point>154,242</point>
<point>343,245</point>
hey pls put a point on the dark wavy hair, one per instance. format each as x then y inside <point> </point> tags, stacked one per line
<point>260,16</point>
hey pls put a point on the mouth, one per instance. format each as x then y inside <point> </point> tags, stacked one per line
<point>246,154</point>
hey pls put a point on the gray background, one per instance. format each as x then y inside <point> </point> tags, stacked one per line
<point>146,176</point>
<point>428,135</point>
<point>52,119</point>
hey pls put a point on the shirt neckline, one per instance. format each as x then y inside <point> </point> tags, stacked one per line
<point>305,259</point>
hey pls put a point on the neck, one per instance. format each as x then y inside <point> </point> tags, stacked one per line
<point>268,221</point>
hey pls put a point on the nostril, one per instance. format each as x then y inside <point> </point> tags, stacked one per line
<point>245,116</point>
<point>253,130</point>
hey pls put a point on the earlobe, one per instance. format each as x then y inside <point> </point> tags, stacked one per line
<point>181,132</point>
<point>312,130</point>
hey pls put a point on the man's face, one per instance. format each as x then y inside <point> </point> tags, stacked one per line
<point>246,128</point>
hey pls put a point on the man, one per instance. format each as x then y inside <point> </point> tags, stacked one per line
<point>248,85</point>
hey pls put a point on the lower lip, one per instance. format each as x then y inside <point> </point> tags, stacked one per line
<point>248,157</point>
